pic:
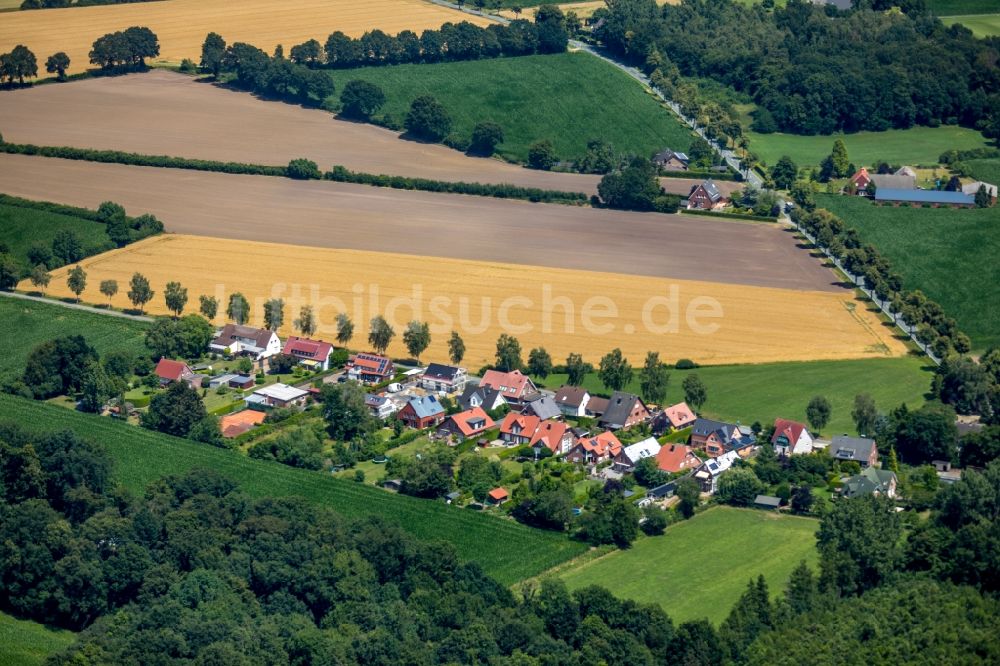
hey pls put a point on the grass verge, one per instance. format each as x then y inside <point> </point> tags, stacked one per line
<point>27,643</point>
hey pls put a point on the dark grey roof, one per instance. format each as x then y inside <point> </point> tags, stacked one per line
<point>619,407</point>
<point>767,500</point>
<point>705,427</point>
<point>893,181</point>
<point>571,395</point>
<point>487,396</point>
<point>852,448</point>
<point>666,490</point>
<point>543,407</point>
<point>925,196</point>
<point>870,481</point>
<point>712,190</point>
<point>439,371</point>
<point>668,154</point>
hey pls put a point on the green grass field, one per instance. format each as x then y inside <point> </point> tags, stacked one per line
<point>20,228</point>
<point>917,145</point>
<point>26,643</point>
<point>25,324</point>
<point>568,98</point>
<point>981,25</point>
<point>951,255</point>
<point>507,550</point>
<point>985,170</point>
<point>700,567</point>
<point>748,393</point>
<point>953,7</point>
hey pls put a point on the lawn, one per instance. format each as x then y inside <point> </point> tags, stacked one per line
<point>21,228</point>
<point>952,7</point>
<point>917,145</point>
<point>506,550</point>
<point>25,643</point>
<point>985,170</point>
<point>981,25</point>
<point>25,324</point>
<point>567,98</point>
<point>951,255</point>
<point>700,567</point>
<point>763,392</point>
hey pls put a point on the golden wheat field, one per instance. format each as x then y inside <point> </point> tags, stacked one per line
<point>181,25</point>
<point>562,310</point>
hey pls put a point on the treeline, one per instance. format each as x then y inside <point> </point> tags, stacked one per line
<point>812,70</point>
<point>163,577</point>
<point>934,328</point>
<point>125,50</point>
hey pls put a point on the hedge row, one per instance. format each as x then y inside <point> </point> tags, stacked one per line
<point>721,175</point>
<point>341,174</point>
<point>49,207</point>
<point>736,216</point>
<point>137,159</point>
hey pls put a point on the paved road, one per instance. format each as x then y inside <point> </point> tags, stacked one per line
<point>75,306</point>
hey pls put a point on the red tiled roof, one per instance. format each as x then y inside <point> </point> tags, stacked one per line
<point>498,494</point>
<point>605,443</point>
<point>372,363</point>
<point>792,430</point>
<point>171,370</point>
<point>315,350</point>
<point>679,414</point>
<point>527,423</point>
<point>462,421</point>
<point>862,173</point>
<point>549,433</point>
<point>676,457</point>
<point>510,384</point>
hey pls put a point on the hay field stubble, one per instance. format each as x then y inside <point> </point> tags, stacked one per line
<point>757,324</point>
<point>181,25</point>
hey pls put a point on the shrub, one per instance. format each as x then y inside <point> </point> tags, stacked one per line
<point>685,364</point>
<point>303,169</point>
<point>428,119</point>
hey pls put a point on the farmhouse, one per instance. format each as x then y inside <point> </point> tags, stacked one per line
<point>973,188</point>
<point>467,424</point>
<point>594,449</point>
<point>627,458</point>
<point>370,368</point>
<point>859,449</point>
<point>313,354</point>
<point>422,412</point>
<point>675,458</point>
<point>572,400</point>
<point>871,481</point>
<point>933,198</point>
<point>791,438</point>
<point>233,425</point>
<point>481,396</point>
<point>674,417</point>
<point>706,196</point>
<point>716,438</point>
<point>257,343</point>
<point>624,410</point>
<point>708,474</point>
<point>176,371</point>
<point>447,378</point>
<point>515,387</point>
<point>277,395</point>
<point>670,160</point>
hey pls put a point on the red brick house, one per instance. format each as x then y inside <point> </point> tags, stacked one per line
<point>706,196</point>
<point>424,412</point>
<point>861,179</point>
<point>624,410</point>
<point>675,458</point>
<point>176,371</point>
<point>598,448</point>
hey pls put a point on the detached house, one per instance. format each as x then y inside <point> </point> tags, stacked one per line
<point>572,400</point>
<point>716,438</point>
<point>423,412</point>
<point>277,395</point>
<point>515,387</point>
<point>674,417</point>
<point>706,196</point>
<point>859,449</point>
<point>176,371</point>
<point>708,474</point>
<point>871,481</point>
<point>257,343</point>
<point>675,458</point>
<point>467,424</point>
<point>627,458</point>
<point>624,410</point>
<point>542,406</point>
<point>670,160</point>
<point>518,429</point>
<point>556,436</point>
<point>791,438</point>
<point>381,406</point>
<point>447,378</point>
<point>313,354</point>
<point>370,368</point>
<point>598,448</point>
<point>481,396</point>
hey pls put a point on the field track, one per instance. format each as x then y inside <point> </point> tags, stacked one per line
<point>338,215</point>
<point>483,299</point>
<point>164,113</point>
<point>181,25</point>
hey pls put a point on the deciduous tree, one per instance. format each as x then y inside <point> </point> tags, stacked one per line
<point>139,292</point>
<point>417,337</point>
<point>76,280</point>
<point>176,297</point>
<point>615,370</point>
<point>456,348</point>
<point>380,334</point>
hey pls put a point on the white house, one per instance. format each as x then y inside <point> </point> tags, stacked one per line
<point>710,471</point>
<point>791,438</point>
<point>256,343</point>
<point>277,395</point>
<point>572,400</point>
<point>627,458</point>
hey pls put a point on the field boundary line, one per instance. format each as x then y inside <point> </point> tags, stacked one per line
<point>76,306</point>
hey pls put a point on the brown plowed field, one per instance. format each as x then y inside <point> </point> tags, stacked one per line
<point>338,215</point>
<point>181,25</point>
<point>164,113</point>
